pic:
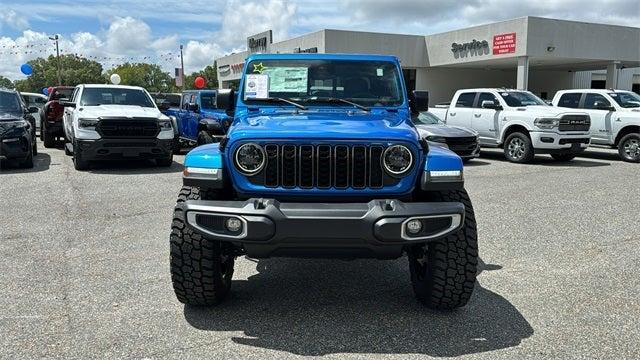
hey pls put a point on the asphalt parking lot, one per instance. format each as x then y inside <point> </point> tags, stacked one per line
<point>85,273</point>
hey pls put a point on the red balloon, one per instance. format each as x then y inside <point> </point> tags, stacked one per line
<point>199,82</point>
<point>50,89</point>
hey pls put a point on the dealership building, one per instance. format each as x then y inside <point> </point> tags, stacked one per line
<point>539,54</point>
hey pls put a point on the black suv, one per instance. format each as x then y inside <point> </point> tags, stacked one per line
<point>17,130</point>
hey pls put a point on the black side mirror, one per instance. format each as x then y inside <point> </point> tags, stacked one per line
<point>192,107</point>
<point>67,104</point>
<point>419,101</point>
<point>33,109</point>
<point>601,105</point>
<point>164,106</point>
<point>226,100</point>
<point>488,104</point>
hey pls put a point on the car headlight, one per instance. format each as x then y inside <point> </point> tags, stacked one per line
<point>250,158</point>
<point>546,123</point>
<point>165,124</point>
<point>397,160</point>
<point>88,124</point>
<point>438,139</point>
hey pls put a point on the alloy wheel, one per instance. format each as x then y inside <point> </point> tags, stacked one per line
<point>516,148</point>
<point>632,149</point>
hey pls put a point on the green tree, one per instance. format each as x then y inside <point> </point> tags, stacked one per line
<point>148,76</point>
<point>75,70</point>
<point>210,75</point>
<point>5,83</point>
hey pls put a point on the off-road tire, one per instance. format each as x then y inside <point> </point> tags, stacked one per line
<point>201,269</point>
<point>204,138</point>
<point>48,139</point>
<point>527,154</point>
<point>79,162</point>
<point>564,156</point>
<point>622,151</point>
<point>166,162</point>
<point>443,272</point>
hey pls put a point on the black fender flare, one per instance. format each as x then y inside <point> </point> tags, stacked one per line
<point>211,126</point>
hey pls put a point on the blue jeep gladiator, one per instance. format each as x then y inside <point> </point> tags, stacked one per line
<point>322,160</point>
<point>197,118</point>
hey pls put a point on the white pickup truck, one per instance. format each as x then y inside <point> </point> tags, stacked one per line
<point>519,122</point>
<point>104,122</point>
<point>615,117</point>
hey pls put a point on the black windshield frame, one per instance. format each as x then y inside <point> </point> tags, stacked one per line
<point>380,81</point>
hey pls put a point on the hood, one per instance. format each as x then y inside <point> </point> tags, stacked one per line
<point>325,125</point>
<point>214,113</point>
<point>547,111</point>
<point>445,131</point>
<point>118,110</point>
<point>10,127</point>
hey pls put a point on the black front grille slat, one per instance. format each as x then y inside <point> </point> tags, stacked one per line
<point>574,123</point>
<point>128,128</point>
<point>323,166</point>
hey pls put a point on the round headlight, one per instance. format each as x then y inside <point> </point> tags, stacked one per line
<point>397,159</point>
<point>250,158</point>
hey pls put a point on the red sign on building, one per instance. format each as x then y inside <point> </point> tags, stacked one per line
<point>504,44</point>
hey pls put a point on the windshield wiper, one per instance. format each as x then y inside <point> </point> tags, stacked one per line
<point>278,99</point>
<point>340,100</point>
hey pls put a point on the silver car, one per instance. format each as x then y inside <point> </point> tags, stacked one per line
<point>461,140</point>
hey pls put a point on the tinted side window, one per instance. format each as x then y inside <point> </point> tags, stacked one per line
<point>465,100</point>
<point>591,99</point>
<point>570,100</point>
<point>485,97</point>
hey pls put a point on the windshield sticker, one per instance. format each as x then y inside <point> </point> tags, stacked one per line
<point>259,68</point>
<point>288,79</point>
<point>256,86</point>
<point>379,72</point>
<point>505,94</point>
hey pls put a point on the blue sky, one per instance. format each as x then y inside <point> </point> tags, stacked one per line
<point>115,31</point>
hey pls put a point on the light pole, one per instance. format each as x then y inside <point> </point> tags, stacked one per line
<point>182,67</point>
<point>55,38</point>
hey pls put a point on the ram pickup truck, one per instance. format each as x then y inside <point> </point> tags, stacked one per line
<point>198,118</point>
<point>615,117</point>
<point>322,160</point>
<point>519,122</point>
<point>105,122</point>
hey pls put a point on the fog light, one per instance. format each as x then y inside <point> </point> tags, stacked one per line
<point>414,226</point>
<point>233,225</point>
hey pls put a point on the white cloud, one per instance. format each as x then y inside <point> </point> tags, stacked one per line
<point>197,55</point>
<point>13,20</point>
<point>244,18</point>
<point>128,35</point>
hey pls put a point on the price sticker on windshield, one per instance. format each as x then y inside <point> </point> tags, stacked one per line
<point>256,86</point>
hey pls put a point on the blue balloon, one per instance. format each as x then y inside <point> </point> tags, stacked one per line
<point>45,91</point>
<point>26,69</point>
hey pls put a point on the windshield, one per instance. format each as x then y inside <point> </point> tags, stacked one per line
<point>426,118</point>
<point>9,104</point>
<point>62,94</point>
<point>521,98</point>
<point>115,96</point>
<point>208,100</point>
<point>320,82</point>
<point>626,99</point>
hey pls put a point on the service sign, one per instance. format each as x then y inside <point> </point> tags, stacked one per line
<point>504,44</point>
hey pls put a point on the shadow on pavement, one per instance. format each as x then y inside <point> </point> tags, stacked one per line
<point>132,167</point>
<point>546,160</point>
<point>318,307</point>
<point>41,162</point>
<point>601,155</point>
<point>476,162</point>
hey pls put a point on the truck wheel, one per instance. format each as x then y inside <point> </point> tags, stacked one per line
<point>204,138</point>
<point>48,139</point>
<point>201,269</point>
<point>518,148</point>
<point>564,156</point>
<point>443,273</point>
<point>166,162</point>
<point>79,163</point>
<point>629,148</point>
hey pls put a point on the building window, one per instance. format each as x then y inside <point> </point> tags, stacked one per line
<point>635,88</point>
<point>409,79</point>
<point>598,84</point>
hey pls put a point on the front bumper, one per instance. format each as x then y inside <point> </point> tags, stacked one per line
<point>53,128</point>
<point>15,148</point>
<point>376,229</point>
<point>554,141</point>
<point>108,149</point>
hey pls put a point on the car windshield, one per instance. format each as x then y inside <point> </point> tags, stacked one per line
<point>626,99</point>
<point>426,118</point>
<point>62,94</point>
<point>521,98</point>
<point>208,100</point>
<point>114,96</point>
<point>9,104</point>
<point>321,82</point>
